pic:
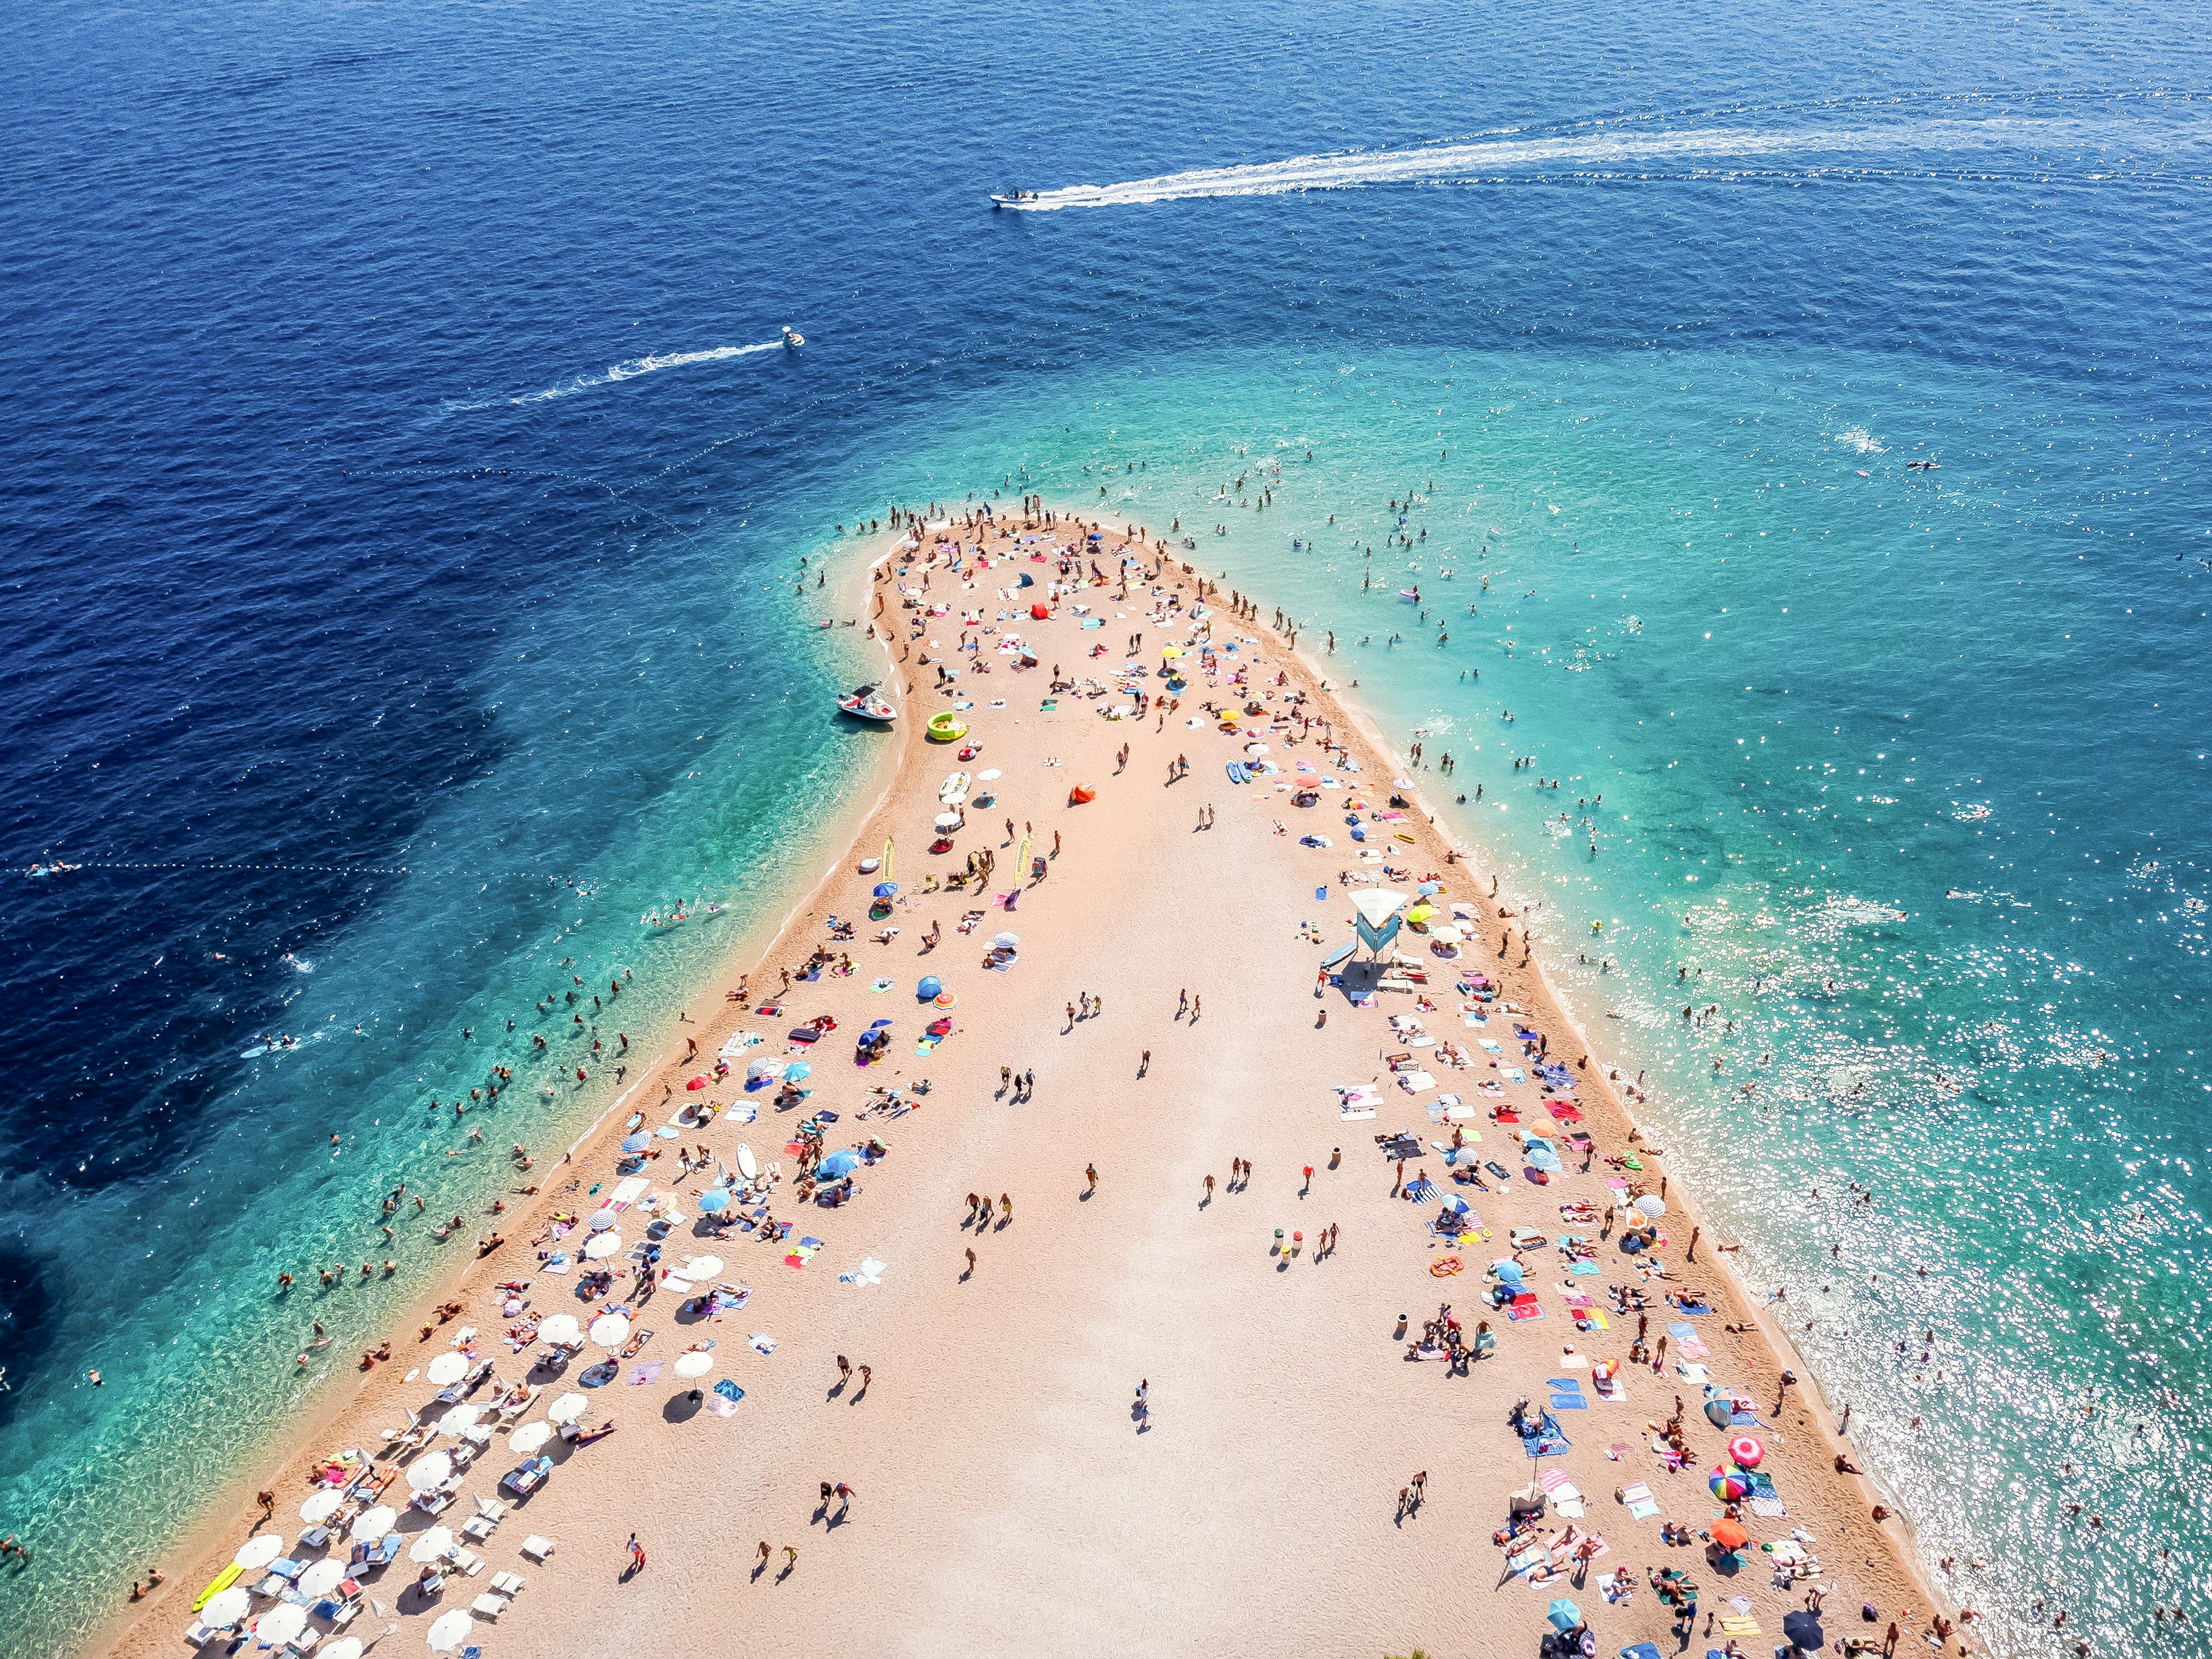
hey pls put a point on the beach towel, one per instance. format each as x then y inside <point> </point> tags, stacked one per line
<point>1641,1650</point>
<point>1686,1339</point>
<point>1546,1439</point>
<point>762,1343</point>
<point>1566,1394</point>
<point>1693,1307</point>
<point>1522,1312</point>
<point>645,1373</point>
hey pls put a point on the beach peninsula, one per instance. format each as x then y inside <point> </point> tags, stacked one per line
<point>1146,1199</point>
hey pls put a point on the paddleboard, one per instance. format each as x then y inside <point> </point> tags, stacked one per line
<point>747,1166</point>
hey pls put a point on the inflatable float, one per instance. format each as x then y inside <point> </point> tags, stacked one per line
<point>946,727</point>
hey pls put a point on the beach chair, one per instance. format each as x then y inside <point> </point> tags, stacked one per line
<point>508,1584</point>
<point>467,1560</point>
<point>388,1551</point>
<point>488,1607</point>
<point>540,1549</point>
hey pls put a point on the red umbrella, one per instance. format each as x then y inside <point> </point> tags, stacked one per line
<point>696,1083</point>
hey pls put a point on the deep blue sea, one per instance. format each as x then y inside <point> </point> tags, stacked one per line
<point>405,495</point>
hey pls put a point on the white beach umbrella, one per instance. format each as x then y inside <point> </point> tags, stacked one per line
<point>602,1245</point>
<point>990,776</point>
<point>320,1505</point>
<point>568,1408</point>
<point>561,1329</point>
<point>370,1527</point>
<point>449,1630</point>
<point>530,1437</point>
<point>1007,941</point>
<point>701,1267</point>
<point>431,1545</point>
<point>429,1470</point>
<point>459,1418</point>
<point>695,1363</point>
<point>280,1623</point>
<point>259,1550</point>
<point>1652,1205</point>
<point>1447,934</point>
<point>346,1647</point>
<point>225,1607</point>
<point>610,1330</point>
<point>602,1219</point>
<point>948,822</point>
<point>448,1367</point>
<point>321,1577</point>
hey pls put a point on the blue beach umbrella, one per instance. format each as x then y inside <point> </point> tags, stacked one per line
<point>797,1071</point>
<point>713,1203</point>
<point>886,890</point>
<point>839,1164</point>
<point>1564,1615</point>
<point>638,1142</point>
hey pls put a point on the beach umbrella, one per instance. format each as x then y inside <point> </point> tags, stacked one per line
<point>610,1330</point>
<point>429,1546</point>
<point>839,1164</point>
<point>1729,1536</point>
<point>560,1330</point>
<point>948,822</point>
<point>1428,889</point>
<point>764,1066</point>
<point>1509,1270</point>
<point>321,1577</point>
<point>459,1420</point>
<point>701,1267</point>
<point>346,1647</point>
<point>450,1366</point>
<point>603,1245</point>
<point>1718,1414</point>
<point>602,1219</point>
<point>1651,1207</point>
<point>1746,1451</point>
<point>529,1438</point>
<point>988,776</point>
<point>713,1203</point>
<point>448,1631</point>
<point>259,1550</point>
<point>697,1363</point>
<point>369,1527</point>
<point>638,1142</point>
<point>225,1607</point>
<point>886,890</point>
<point>432,1469</point>
<point>945,1000</point>
<point>1419,914</point>
<point>1448,934</point>
<point>1728,1486</point>
<point>1006,940</point>
<point>280,1624</point>
<point>797,1072</point>
<point>1455,1205</point>
<point>1564,1615</point>
<point>568,1408</point>
<point>321,1506</point>
<point>696,1083</point>
<point>1803,1629</point>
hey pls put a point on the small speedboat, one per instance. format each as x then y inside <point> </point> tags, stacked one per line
<point>1007,198</point>
<point>866,704</point>
<point>793,337</point>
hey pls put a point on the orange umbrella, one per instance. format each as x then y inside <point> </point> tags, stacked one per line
<point>1729,1536</point>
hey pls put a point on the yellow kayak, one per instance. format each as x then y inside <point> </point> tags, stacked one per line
<point>221,1580</point>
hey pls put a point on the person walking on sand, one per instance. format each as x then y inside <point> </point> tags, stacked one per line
<point>971,1258</point>
<point>636,1554</point>
<point>790,1556</point>
<point>765,1552</point>
<point>1209,1190</point>
<point>1091,1172</point>
<point>844,1494</point>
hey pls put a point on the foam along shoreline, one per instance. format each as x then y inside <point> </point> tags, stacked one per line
<point>1160,1017</point>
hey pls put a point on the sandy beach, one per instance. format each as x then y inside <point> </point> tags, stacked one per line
<point>1136,1405</point>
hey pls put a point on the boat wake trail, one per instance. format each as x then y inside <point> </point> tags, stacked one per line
<point>627,371</point>
<point>2031,148</point>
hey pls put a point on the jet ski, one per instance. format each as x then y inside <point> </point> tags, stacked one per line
<point>793,337</point>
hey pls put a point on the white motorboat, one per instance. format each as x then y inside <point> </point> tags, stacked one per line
<point>793,337</point>
<point>867,704</point>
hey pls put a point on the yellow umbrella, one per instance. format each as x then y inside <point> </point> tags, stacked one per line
<point>1419,914</point>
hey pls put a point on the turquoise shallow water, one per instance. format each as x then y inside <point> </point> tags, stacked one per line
<point>411,498</point>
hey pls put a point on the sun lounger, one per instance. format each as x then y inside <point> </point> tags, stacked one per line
<point>488,1607</point>
<point>538,1549</point>
<point>508,1584</point>
<point>467,1560</point>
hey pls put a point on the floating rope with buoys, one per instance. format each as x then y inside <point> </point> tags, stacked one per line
<point>69,867</point>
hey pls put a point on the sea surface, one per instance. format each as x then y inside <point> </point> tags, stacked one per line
<point>415,523</point>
